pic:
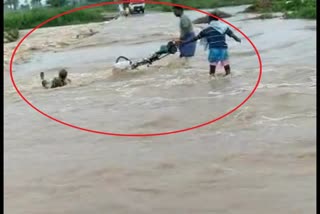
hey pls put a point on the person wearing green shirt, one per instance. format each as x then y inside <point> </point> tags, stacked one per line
<point>186,33</point>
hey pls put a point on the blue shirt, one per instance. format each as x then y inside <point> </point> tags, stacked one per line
<point>215,38</point>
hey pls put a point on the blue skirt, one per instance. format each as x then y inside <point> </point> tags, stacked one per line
<point>188,50</point>
<point>218,55</point>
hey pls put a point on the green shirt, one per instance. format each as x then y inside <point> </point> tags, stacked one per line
<point>185,25</point>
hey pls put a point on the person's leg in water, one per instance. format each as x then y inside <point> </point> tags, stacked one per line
<point>213,60</point>
<point>227,69</point>
<point>225,62</point>
<point>212,69</point>
<point>184,60</point>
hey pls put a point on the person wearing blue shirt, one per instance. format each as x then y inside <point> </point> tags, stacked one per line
<point>214,37</point>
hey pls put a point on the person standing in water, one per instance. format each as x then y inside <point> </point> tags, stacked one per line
<point>126,8</point>
<point>123,8</point>
<point>186,33</point>
<point>214,38</point>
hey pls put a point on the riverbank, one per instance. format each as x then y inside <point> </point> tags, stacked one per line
<point>31,18</point>
<point>27,19</point>
<point>293,9</point>
<point>199,4</point>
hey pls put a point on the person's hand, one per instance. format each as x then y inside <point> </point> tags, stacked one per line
<point>177,41</point>
<point>238,39</point>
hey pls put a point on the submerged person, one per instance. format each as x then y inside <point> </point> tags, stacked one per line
<point>59,81</point>
<point>214,38</point>
<point>186,33</point>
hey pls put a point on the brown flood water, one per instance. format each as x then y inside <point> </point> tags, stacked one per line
<point>261,159</point>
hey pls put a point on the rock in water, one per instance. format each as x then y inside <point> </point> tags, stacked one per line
<point>218,13</point>
<point>258,6</point>
<point>10,35</point>
<point>265,16</point>
<point>86,34</point>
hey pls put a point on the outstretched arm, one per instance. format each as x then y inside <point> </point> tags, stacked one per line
<point>44,82</point>
<point>232,35</point>
<point>191,40</point>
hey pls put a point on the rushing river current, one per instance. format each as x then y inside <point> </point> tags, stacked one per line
<point>260,159</point>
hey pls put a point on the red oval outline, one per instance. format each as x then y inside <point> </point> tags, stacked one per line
<point>135,135</point>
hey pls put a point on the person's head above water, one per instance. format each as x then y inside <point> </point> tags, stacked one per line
<point>63,73</point>
<point>178,11</point>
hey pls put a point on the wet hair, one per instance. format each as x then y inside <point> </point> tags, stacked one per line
<point>213,18</point>
<point>63,73</point>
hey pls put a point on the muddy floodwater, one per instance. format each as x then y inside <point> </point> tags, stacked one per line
<point>260,159</point>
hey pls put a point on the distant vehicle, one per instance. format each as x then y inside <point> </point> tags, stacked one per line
<point>136,6</point>
<point>131,6</point>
